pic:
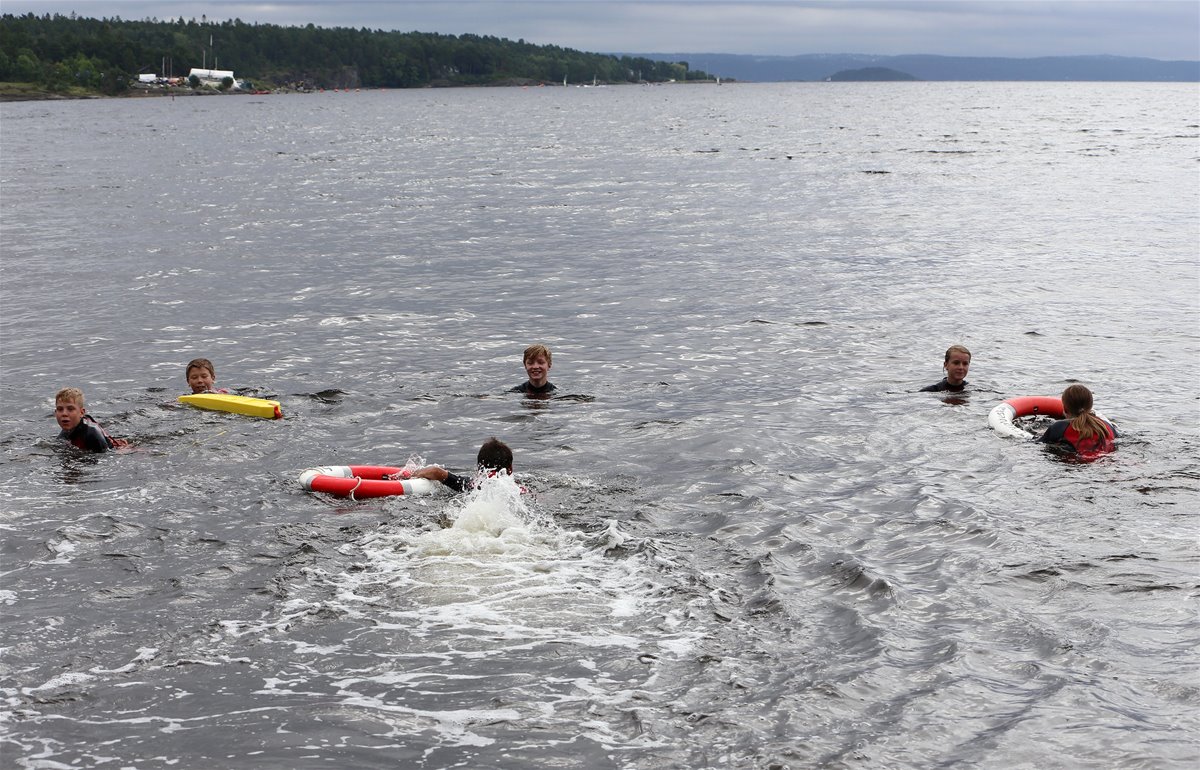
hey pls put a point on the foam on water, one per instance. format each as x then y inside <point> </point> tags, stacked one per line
<point>504,569</point>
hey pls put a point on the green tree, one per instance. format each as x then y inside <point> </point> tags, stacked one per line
<point>85,71</point>
<point>27,68</point>
<point>113,82</point>
<point>103,49</point>
<point>57,76</point>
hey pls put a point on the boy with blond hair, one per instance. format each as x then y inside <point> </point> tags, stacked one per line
<point>537,360</point>
<point>77,425</point>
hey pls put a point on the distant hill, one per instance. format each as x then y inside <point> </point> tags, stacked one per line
<point>79,55</point>
<point>869,74</point>
<point>926,67</point>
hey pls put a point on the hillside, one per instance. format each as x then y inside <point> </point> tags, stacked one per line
<point>67,54</point>
<point>869,75</point>
<point>925,67</point>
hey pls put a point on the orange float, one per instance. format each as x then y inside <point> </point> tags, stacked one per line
<point>359,482</point>
<point>1003,415</point>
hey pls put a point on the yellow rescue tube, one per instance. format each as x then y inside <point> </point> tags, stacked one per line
<point>225,402</point>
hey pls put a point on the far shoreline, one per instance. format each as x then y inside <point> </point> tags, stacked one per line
<point>20,92</point>
<point>52,96</point>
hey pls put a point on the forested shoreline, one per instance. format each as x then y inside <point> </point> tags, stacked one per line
<point>65,54</point>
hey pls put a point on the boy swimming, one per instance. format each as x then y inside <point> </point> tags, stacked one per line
<point>537,360</point>
<point>77,425</point>
<point>201,376</point>
<point>493,457</point>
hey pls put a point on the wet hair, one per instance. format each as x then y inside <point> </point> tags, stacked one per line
<point>75,395</point>
<point>200,363</point>
<point>533,351</point>
<point>1077,406</point>
<point>495,455</point>
<point>955,349</point>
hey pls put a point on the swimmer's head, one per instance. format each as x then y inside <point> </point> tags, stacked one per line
<point>200,375</point>
<point>495,455</point>
<point>69,408</point>
<point>1076,400</point>
<point>958,361</point>
<point>537,360</point>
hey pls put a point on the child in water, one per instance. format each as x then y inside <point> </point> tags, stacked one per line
<point>494,457</point>
<point>958,360</point>
<point>201,376</point>
<point>537,360</point>
<point>77,425</point>
<point>1083,431</point>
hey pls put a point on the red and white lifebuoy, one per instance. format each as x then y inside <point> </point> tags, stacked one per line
<point>1004,414</point>
<point>363,481</point>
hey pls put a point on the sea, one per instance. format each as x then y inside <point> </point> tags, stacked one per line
<point>738,536</point>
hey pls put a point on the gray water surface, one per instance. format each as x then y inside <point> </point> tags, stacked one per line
<point>747,541</point>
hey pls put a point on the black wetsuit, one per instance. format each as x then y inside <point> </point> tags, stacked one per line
<point>467,483</point>
<point>88,435</point>
<point>938,387</point>
<point>457,483</point>
<point>534,390</point>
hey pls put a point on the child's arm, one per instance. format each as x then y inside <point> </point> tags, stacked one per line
<point>452,480</point>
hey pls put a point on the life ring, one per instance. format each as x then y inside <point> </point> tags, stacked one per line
<point>363,481</point>
<point>1003,414</point>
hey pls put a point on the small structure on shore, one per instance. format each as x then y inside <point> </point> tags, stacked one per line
<point>213,76</point>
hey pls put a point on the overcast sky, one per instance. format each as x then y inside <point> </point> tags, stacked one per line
<point>1159,29</point>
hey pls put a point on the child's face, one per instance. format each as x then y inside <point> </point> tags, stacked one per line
<point>956,367</point>
<point>200,379</point>
<point>68,414</point>
<point>538,369</point>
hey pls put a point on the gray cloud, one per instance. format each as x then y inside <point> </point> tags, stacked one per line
<point>1160,29</point>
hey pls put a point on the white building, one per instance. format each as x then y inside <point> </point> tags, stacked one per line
<point>213,76</point>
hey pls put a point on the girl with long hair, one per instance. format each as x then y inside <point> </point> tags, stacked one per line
<point>1083,431</point>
